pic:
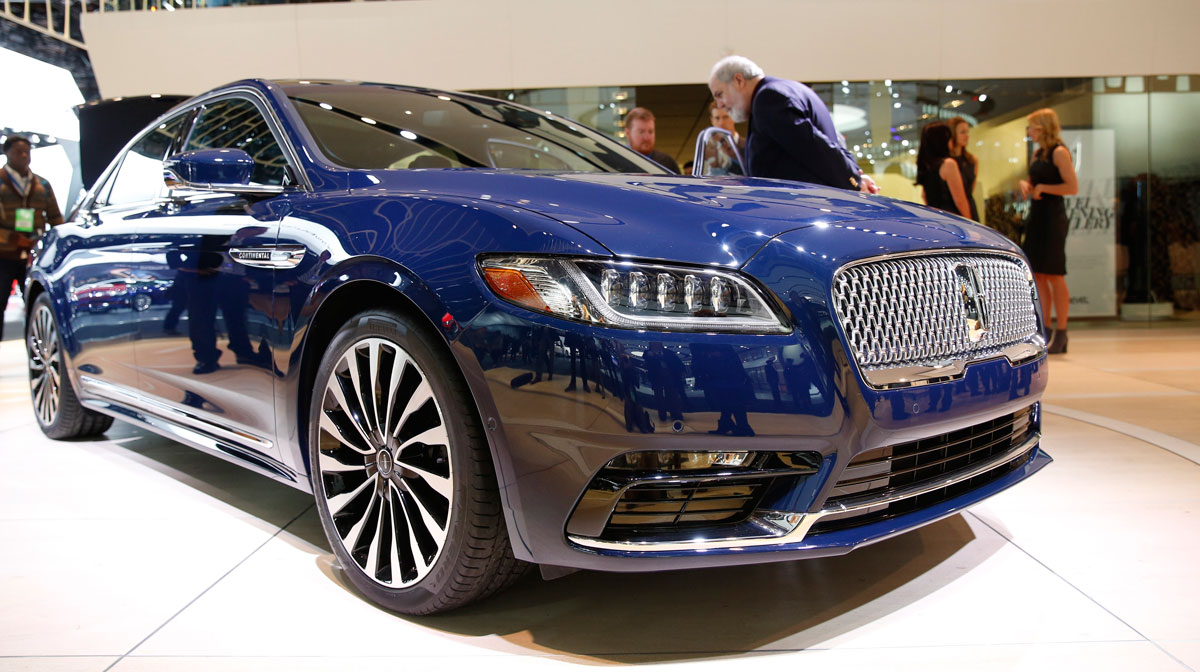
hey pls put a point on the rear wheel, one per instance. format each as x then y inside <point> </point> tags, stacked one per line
<point>402,473</point>
<point>58,411</point>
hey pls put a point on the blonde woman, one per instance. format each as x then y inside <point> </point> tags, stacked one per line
<point>968,165</point>
<point>1051,176</point>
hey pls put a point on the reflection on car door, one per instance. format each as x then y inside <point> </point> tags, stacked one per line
<point>204,350</point>
<point>101,286</point>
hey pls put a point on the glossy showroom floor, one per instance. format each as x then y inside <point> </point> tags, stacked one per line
<point>133,553</point>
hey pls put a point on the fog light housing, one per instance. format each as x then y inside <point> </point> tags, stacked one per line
<point>665,460</point>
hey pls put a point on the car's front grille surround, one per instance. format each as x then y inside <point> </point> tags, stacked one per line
<point>910,311</point>
<point>878,472</point>
<point>659,500</point>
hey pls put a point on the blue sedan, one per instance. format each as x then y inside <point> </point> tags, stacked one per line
<point>485,337</point>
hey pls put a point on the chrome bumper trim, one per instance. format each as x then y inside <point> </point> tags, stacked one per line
<point>913,376</point>
<point>789,528</point>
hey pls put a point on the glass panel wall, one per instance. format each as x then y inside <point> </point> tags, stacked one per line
<point>1133,251</point>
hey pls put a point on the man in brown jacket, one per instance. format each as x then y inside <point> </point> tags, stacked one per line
<point>27,208</point>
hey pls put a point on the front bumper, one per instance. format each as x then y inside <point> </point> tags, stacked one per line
<point>804,546</point>
<point>550,443</point>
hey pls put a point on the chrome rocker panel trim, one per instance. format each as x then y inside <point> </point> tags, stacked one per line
<point>233,446</point>
<point>783,528</point>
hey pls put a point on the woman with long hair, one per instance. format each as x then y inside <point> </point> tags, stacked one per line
<point>1051,176</point>
<point>937,172</point>
<point>968,165</point>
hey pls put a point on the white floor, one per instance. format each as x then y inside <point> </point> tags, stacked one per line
<point>134,553</point>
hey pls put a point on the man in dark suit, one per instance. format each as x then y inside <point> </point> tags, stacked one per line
<point>791,133</point>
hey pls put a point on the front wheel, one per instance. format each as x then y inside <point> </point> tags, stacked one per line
<point>401,471</point>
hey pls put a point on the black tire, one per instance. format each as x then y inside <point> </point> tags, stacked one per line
<point>370,464</point>
<point>57,409</point>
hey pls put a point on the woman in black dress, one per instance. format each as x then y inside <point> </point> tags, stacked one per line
<point>968,165</point>
<point>1051,176</point>
<point>937,172</point>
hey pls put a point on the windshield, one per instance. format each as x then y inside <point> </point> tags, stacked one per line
<point>374,126</point>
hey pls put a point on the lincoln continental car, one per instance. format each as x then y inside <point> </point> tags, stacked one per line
<point>485,336</point>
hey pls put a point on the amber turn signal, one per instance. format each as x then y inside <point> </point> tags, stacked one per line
<point>512,285</point>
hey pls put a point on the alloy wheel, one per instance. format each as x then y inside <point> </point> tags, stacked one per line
<point>384,463</point>
<point>45,365</point>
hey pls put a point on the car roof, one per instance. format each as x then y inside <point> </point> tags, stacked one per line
<point>293,86</point>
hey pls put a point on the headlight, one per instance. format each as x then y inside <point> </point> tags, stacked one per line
<point>633,295</point>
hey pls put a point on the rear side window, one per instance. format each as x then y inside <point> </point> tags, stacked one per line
<point>140,176</point>
<point>236,123</point>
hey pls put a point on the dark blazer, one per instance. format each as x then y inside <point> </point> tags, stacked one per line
<point>792,137</point>
<point>663,159</point>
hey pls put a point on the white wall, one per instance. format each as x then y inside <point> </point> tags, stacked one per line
<point>475,44</point>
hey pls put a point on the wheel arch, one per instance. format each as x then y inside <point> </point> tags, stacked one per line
<point>38,284</point>
<point>380,283</point>
<point>32,292</point>
<point>351,291</point>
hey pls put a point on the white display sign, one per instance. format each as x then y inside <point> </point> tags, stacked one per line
<point>1092,237</point>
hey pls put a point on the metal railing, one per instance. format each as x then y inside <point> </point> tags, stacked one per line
<point>172,5</point>
<point>58,19</point>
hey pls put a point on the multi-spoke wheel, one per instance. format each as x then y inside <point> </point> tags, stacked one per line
<point>401,471</point>
<point>58,411</point>
<point>45,365</point>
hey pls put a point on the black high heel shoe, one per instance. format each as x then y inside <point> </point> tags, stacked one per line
<point>1058,345</point>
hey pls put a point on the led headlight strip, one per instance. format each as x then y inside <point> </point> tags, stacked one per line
<point>634,295</point>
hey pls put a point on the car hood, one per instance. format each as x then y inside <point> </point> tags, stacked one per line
<point>696,220</point>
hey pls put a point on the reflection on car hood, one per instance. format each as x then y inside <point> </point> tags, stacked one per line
<point>704,221</point>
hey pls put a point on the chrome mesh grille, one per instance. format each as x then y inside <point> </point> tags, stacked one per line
<point>909,311</point>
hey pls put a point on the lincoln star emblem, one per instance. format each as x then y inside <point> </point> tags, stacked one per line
<point>385,462</point>
<point>974,301</point>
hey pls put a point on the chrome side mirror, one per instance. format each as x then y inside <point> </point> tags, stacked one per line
<point>216,170</point>
<point>717,154</point>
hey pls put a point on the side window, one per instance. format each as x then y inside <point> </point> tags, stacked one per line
<point>236,123</point>
<point>140,176</point>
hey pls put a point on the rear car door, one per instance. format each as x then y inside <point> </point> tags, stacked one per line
<point>99,275</point>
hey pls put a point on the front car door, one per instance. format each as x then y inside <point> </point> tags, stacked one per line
<point>204,348</point>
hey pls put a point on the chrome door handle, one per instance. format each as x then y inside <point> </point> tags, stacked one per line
<point>270,256</point>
